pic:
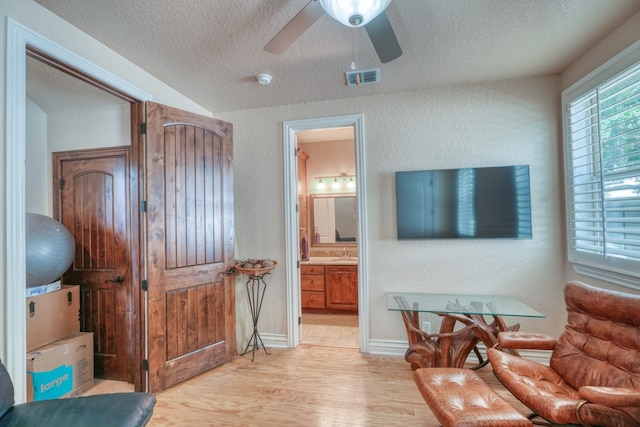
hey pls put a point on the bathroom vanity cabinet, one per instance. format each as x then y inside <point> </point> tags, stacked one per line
<point>329,288</point>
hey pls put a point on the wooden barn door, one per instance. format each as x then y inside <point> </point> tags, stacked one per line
<point>189,244</point>
<point>93,203</point>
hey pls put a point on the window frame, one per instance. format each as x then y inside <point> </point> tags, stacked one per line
<point>607,269</point>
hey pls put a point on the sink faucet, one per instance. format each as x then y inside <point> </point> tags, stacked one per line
<point>344,253</point>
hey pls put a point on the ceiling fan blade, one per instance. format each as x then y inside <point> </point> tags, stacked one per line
<point>383,38</point>
<point>294,29</point>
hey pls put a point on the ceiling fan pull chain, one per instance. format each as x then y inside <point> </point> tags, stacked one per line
<point>354,50</point>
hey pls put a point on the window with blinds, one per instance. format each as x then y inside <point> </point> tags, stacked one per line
<point>602,150</point>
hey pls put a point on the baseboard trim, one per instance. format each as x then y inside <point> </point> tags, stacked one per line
<point>274,340</point>
<point>399,348</point>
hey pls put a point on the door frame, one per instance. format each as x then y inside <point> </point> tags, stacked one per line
<point>18,38</point>
<point>292,252</point>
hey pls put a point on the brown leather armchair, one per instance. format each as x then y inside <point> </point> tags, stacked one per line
<point>593,377</point>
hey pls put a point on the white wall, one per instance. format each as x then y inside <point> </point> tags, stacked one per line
<point>476,125</point>
<point>329,158</point>
<point>613,44</point>
<point>92,128</point>
<point>37,183</point>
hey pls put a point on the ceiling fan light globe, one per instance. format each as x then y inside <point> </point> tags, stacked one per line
<point>354,13</point>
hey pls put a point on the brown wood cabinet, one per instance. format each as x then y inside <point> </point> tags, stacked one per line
<point>312,286</point>
<point>329,288</point>
<point>341,287</point>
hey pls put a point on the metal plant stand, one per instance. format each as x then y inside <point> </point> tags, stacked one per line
<point>256,287</point>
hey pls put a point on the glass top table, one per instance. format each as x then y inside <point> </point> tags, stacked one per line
<point>492,305</point>
<point>463,325</point>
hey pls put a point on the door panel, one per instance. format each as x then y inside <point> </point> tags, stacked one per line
<point>189,244</point>
<point>93,203</point>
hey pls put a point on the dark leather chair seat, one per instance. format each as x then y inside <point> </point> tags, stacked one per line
<point>108,410</point>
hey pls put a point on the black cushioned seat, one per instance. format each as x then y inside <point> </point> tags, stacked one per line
<point>112,410</point>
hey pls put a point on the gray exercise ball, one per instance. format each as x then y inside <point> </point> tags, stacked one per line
<point>50,249</point>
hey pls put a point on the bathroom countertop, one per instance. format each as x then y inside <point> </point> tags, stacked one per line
<point>330,260</point>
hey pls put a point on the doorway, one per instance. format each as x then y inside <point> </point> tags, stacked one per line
<point>171,304</point>
<point>328,227</point>
<point>18,38</point>
<point>84,130</point>
<point>292,205</point>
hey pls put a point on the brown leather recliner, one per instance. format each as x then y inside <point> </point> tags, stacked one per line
<point>593,377</point>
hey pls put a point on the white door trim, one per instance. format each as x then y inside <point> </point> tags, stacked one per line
<point>291,222</point>
<point>18,37</point>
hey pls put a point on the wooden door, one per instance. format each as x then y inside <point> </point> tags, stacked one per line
<point>189,244</point>
<point>93,197</point>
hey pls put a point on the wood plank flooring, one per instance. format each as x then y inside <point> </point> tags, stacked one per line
<point>307,386</point>
<point>312,385</point>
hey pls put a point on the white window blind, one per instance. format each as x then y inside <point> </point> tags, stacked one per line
<point>602,149</point>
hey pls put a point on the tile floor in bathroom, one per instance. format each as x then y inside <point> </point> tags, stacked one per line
<point>332,330</point>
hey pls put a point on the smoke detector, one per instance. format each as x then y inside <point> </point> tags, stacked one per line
<point>264,79</point>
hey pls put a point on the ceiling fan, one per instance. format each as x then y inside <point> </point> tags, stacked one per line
<point>353,13</point>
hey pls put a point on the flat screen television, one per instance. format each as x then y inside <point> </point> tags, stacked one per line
<point>487,202</point>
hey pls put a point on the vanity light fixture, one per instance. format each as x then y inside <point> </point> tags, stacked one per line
<point>354,13</point>
<point>337,182</point>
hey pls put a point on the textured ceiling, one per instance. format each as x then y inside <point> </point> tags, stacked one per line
<point>211,51</point>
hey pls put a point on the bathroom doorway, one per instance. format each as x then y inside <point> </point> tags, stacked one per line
<point>347,251</point>
<point>328,218</point>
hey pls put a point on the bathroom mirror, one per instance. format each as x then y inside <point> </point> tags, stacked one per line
<point>333,220</point>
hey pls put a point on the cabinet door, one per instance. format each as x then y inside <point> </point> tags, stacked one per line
<point>341,287</point>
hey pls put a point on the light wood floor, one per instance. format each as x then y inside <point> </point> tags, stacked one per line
<point>307,386</point>
<point>312,385</point>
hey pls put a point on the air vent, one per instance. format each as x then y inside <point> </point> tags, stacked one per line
<point>363,77</point>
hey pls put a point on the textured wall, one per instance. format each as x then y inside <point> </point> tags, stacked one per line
<point>329,159</point>
<point>476,125</point>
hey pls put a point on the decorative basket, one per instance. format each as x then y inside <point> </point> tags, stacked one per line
<point>255,271</point>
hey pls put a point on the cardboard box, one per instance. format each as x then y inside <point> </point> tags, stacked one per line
<point>44,289</point>
<point>61,369</point>
<point>52,316</point>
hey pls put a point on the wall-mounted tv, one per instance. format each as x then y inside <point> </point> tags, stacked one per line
<point>486,202</point>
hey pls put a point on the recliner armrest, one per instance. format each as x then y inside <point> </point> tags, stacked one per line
<point>614,397</point>
<point>526,340</point>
